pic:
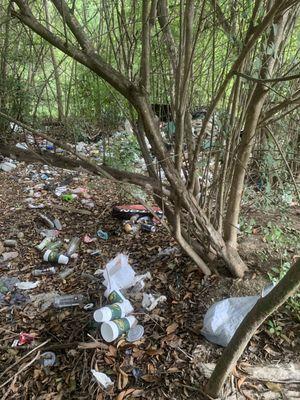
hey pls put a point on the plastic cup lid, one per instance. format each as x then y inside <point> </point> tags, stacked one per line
<point>48,359</point>
<point>135,333</point>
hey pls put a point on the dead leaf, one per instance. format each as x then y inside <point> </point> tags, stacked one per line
<point>109,360</point>
<point>138,353</point>
<point>100,396</point>
<point>112,351</point>
<point>173,370</point>
<point>150,378</point>
<point>187,296</point>
<point>269,350</point>
<point>121,343</point>
<point>172,340</point>
<point>240,382</point>
<point>155,352</point>
<point>172,328</point>
<point>137,393</point>
<point>274,387</point>
<point>122,372</point>
<point>121,395</point>
<point>151,369</point>
<point>256,231</point>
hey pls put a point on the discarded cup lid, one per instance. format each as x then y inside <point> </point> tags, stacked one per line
<point>135,333</point>
<point>48,359</point>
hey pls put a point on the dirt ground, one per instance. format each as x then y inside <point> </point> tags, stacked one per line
<point>166,362</point>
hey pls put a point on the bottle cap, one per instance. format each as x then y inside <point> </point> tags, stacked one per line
<point>63,259</point>
<point>135,333</point>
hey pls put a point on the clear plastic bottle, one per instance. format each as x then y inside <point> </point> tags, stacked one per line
<point>69,300</point>
<point>45,271</point>
<point>73,246</point>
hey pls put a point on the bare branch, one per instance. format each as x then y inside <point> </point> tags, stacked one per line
<point>280,79</point>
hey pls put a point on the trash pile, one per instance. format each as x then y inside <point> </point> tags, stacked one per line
<point>86,310</point>
<point>115,317</point>
<point>137,217</point>
<point>51,247</point>
<point>7,164</point>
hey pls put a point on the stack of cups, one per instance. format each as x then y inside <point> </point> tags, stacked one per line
<point>114,317</point>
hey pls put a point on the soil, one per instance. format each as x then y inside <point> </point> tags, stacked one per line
<point>166,362</point>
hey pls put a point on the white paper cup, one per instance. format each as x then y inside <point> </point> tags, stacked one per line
<point>113,311</point>
<point>114,296</point>
<point>111,330</point>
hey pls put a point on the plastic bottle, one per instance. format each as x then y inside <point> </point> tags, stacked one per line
<point>46,271</point>
<point>52,256</point>
<point>111,330</point>
<point>10,243</point>
<point>113,311</point>
<point>44,243</point>
<point>57,224</point>
<point>69,300</point>
<point>66,272</point>
<point>73,246</point>
<point>54,246</point>
<point>46,220</point>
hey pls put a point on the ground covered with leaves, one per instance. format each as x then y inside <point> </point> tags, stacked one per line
<point>167,363</point>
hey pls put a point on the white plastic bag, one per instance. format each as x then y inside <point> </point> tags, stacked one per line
<point>223,318</point>
<point>118,273</point>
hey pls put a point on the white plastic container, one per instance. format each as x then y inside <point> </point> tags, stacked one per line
<point>111,330</point>
<point>52,256</point>
<point>113,311</point>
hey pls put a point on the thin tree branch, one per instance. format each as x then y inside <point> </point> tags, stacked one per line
<point>280,79</point>
<point>285,161</point>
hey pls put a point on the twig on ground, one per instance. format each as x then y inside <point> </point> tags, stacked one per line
<point>21,369</point>
<point>26,355</point>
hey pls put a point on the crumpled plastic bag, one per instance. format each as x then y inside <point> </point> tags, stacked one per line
<point>102,378</point>
<point>118,273</point>
<point>224,317</point>
<point>150,302</point>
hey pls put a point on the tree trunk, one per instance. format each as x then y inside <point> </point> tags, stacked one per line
<point>265,306</point>
<point>59,96</point>
<point>180,198</point>
<point>276,38</point>
<point>3,68</point>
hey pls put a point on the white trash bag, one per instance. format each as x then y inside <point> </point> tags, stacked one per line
<point>118,274</point>
<point>224,317</point>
